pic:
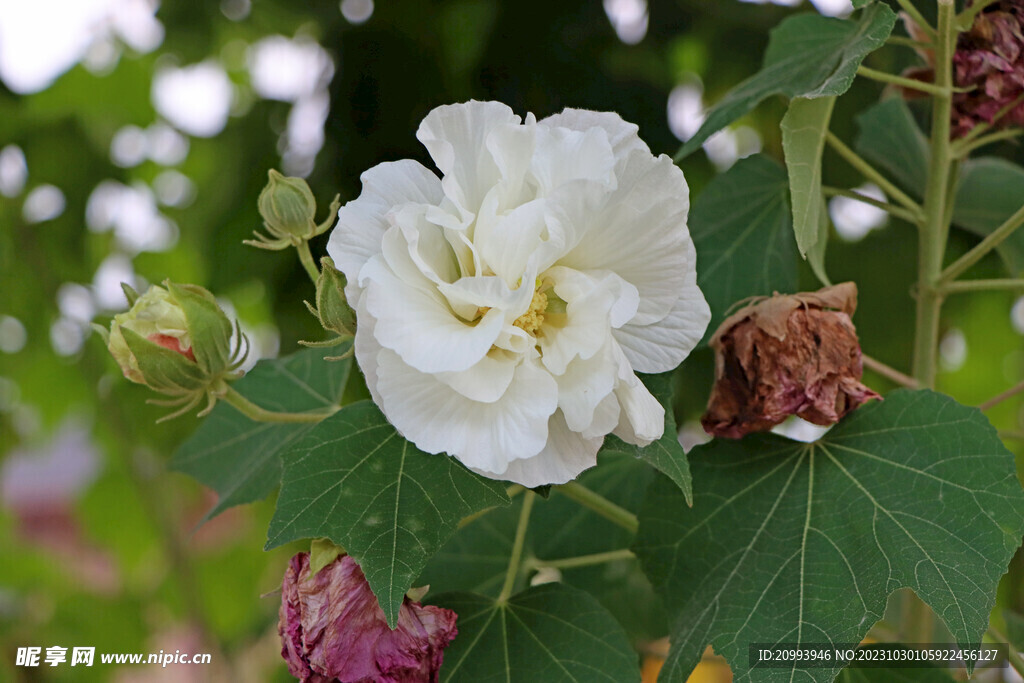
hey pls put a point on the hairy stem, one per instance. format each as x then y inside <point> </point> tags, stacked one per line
<point>517,548</point>
<point>891,209</point>
<point>915,14</point>
<point>962,149</point>
<point>983,285</point>
<point>583,560</point>
<point>901,81</point>
<point>258,414</point>
<point>599,504</point>
<point>307,261</point>
<point>872,174</point>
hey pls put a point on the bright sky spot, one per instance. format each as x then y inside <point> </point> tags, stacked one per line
<point>685,116</point>
<point>952,350</point>
<point>131,212</point>
<point>165,146</point>
<point>12,334</point>
<point>629,18</point>
<point>75,302</point>
<point>729,145</point>
<point>235,10</point>
<point>41,39</point>
<point>288,70</point>
<point>1017,315</point>
<point>66,337</point>
<point>106,283</point>
<point>305,134</point>
<point>686,109</point>
<point>196,99</point>
<point>13,171</point>
<point>855,219</point>
<point>174,189</point>
<point>43,203</point>
<point>128,147</point>
<point>357,11</point>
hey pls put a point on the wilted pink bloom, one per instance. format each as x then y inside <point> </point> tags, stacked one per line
<point>332,629</point>
<point>786,355</point>
<point>990,59</point>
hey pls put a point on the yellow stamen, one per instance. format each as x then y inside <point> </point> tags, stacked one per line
<point>531,321</point>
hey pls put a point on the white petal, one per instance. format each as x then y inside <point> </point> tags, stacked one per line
<point>623,136</point>
<point>427,245</point>
<point>456,137</point>
<point>362,221</point>
<point>564,457</point>
<point>418,324</point>
<point>367,349</point>
<point>506,242</point>
<point>482,435</point>
<point>662,346</point>
<point>563,155</point>
<point>640,233</point>
<point>582,387</point>
<point>606,417</point>
<point>642,419</point>
<point>467,295</point>
<point>487,380</point>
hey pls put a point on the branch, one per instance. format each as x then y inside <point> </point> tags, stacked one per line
<point>890,373</point>
<point>986,245</point>
<point>601,505</point>
<point>996,400</point>
<point>871,174</point>
<point>891,209</point>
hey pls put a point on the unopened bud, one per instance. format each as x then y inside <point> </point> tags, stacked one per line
<point>786,355</point>
<point>288,209</point>
<point>332,309</point>
<point>175,340</point>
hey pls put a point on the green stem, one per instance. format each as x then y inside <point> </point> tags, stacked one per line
<point>996,400</point>
<point>1016,661</point>
<point>307,261</point>
<point>908,42</point>
<point>966,18</point>
<point>890,373</point>
<point>915,14</point>
<point>995,238</point>
<point>601,505</point>
<point>982,285</point>
<point>583,560</point>
<point>1016,436</point>
<point>517,548</point>
<point>902,81</point>
<point>891,209</point>
<point>255,412</point>
<point>961,149</point>
<point>934,228</point>
<point>871,174</point>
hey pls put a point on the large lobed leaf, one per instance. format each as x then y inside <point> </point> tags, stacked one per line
<point>808,56</point>
<point>355,480</point>
<point>239,458</point>
<point>796,542</point>
<point>549,633</point>
<point>743,231</point>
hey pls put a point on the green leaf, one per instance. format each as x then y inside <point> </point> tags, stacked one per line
<point>857,4</point>
<point>322,553</point>
<point>990,191</point>
<point>476,558</point>
<point>889,138</point>
<point>797,542</point>
<point>808,56</point>
<point>666,454</point>
<point>547,633</point>
<point>743,231</point>
<point>355,480</point>
<point>239,458</point>
<point>803,141</point>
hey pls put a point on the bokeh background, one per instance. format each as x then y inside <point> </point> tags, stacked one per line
<point>134,140</point>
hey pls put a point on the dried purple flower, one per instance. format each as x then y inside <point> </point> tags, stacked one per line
<point>786,355</point>
<point>332,629</point>
<point>989,58</point>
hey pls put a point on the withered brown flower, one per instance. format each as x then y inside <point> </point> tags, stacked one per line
<point>786,355</point>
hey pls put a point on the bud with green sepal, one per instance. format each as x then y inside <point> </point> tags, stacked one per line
<point>177,341</point>
<point>289,211</point>
<point>332,309</point>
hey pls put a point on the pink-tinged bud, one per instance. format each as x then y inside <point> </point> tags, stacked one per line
<point>172,343</point>
<point>332,629</point>
<point>786,355</point>
<point>989,59</point>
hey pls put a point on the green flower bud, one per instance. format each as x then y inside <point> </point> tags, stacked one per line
<point>332,309</point>
<point>288,210</point>
<point>288,207</point>
<point>175,340</point>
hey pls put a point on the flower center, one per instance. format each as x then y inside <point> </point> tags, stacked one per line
<point>533,318</point>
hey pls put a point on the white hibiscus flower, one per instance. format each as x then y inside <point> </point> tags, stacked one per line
<point>504,308</point>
